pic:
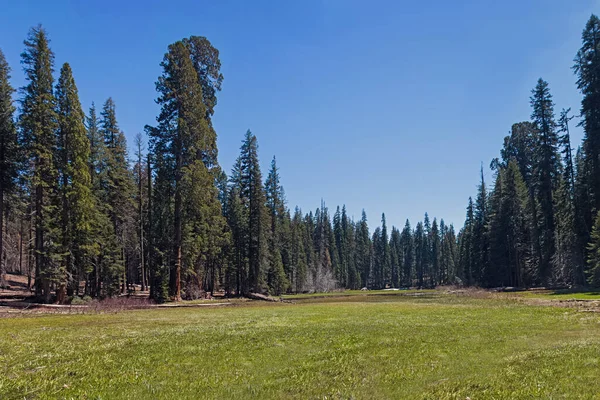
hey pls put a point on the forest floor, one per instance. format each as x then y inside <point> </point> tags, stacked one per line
<point>432,344</point>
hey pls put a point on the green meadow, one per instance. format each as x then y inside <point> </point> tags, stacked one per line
<point>376,346</point>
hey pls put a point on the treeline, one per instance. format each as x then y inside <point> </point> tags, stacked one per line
<point>540,222</point>
<point>79,217</point>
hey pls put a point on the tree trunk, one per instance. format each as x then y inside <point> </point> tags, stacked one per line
<point>150,243</point>
<point>3,282</point>
<point>20,246</point>
<point>140,205</point>
<point>178,228</point>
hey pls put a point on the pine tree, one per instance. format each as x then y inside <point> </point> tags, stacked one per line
<point>363,249</point>
<point>385,268</point>
<point>546,172</point>
<point>395,257</point>
<point>480,245</point>
<point>587,68</point>
<point>73,152</point>
<point>275,203</point>
<point>408,252</point>
<point>104,244</point>
<point>349,248</point>
<point>435,253</point>
<point>38,125</point>
<point>421,250</point>
<point>118,196</point>
<point>298,252</point>
<point>465,272</point>
<point>249,220</point>
<point>8,152</point>
<point>509,243</point>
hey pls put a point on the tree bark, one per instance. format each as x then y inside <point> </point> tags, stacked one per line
<point>2,264</point>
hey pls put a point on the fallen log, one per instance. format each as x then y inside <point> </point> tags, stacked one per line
<point>258,296</point>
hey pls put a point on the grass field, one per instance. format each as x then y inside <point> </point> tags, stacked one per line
<point>364,347</point>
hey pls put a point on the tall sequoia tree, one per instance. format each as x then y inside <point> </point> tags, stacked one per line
<point>183,142</point>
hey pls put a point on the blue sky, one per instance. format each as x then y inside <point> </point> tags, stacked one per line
<point>390,106</point>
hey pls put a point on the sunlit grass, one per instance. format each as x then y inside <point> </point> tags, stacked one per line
<point>564,294</point>
<point>364,347</point>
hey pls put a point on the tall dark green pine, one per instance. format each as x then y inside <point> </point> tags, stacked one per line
<point>348,228</point>
<point>118,197</point>
<point>509,236</point>
<point>277,276</point>
<point>9,151</point>
<point>421,250</point>
<point>363,249</point>
<point>38,125</point>
<point>408,253</point>
<point>465,272</point>
<point>480,245</point>
<point>521,146</point>
<point>587,69</point>
<point>341,274</point>
<point>385,268</point>
<point>546,173</point>
<point>435,253</point>
<point>104,246</point>
<point>298,252</point>
<point>395,257</point>
<point>252,197</point>
<point>77,204</point>
<point>426,257</point>
<point>568,260</point>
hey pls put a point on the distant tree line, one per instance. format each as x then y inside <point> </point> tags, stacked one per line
<point>78,216</point>
<point>539,224</point>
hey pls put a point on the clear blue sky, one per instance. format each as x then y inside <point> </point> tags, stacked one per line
<point>389,106</point>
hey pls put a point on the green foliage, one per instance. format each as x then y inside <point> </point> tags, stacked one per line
<point>77,205</point>
<point>38,123</point>
<point>8,150</point>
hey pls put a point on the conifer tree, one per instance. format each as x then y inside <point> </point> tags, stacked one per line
<point>587,69</point>
<point>38,125</point>
<point>479,240</point>
<point>395,257</point>
<point>435,253</point>
<point>465,273</point>
<point>363,249</point>
<point>546,172</point>
<point>73,152</point>
<point>187,145</point>
<point>8,151</point>
<point>118,197</point>
<point>275,203</point>
<point>508,229</point>
<point>298,252</point>
<point>421,250</point>
<point>408,252</point>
